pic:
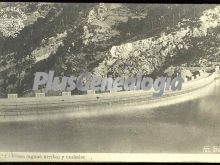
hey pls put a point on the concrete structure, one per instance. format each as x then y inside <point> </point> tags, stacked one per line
<point>217,72</point>
<point>80,105</point>
<point>12,96</point>
<point>39,94</point>
<point>90,92</point>
<point>66,93</point>
<point>112,91</point>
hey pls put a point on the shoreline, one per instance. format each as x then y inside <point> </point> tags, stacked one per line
<point>109,103</point>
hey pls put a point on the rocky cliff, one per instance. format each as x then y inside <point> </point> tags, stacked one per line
<point>106,39</point>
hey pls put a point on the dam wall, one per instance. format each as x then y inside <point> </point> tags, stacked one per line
<point>103,103</point>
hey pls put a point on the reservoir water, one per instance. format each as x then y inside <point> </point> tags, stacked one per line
<point>183,128</point>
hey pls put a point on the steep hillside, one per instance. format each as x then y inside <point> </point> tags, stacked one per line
<point>106,39</point>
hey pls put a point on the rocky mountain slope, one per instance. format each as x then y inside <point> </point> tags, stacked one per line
<point>106,39</point>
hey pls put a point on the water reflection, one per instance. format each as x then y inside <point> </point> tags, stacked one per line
<point>184,128</point>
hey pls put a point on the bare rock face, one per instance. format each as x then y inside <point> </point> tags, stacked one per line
<point>106,39</point>
<point>101,22</point>
<point>147,55</point>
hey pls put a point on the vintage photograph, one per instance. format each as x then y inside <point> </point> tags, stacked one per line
<point>107,81</point>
